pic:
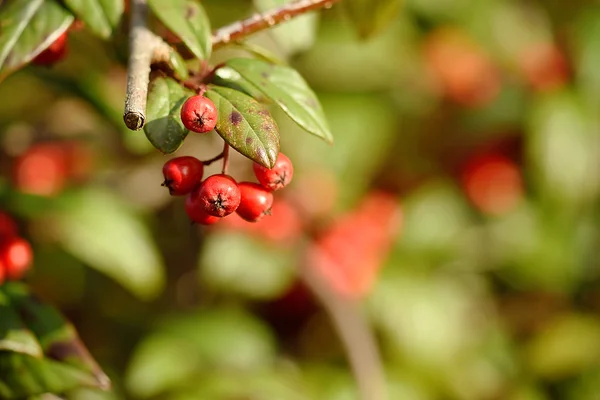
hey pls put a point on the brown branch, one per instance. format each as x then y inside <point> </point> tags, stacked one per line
<point>259,22</point>
<point>355,334</point>
<point>145,48</point>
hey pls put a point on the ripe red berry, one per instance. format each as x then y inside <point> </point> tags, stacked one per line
<point>8,227</point>
<point>219,195</point>
<point>195,210</point>
<point>182,175</point>
<point>277,177</point>
<point>41,170</point>
<point>54,53</point>
<point>16,256</point>
<point>256,201</point>
<point>2,273</point>
<point>199,114</point>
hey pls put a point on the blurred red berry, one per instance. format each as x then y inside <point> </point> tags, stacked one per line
<point>182,175</point>
<point>493,183</point>
<point>464,71</point>
<point>79,160</point>
<point>277,177</point>
<point>194,208</point>
<point>41,170</point>
<point>8,227</point>
<point>199,114</point>
<point>54,53</point>
<point>2,273</point>
<point>256,202</point>
<point>16,256</point>
<point>544,66</point>
<point>219,195</point>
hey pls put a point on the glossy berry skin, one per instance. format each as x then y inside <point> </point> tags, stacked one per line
<point>54,53</point>
<point>277,177</point>
<point>256,202</point>
<point>182,175</point>
<point>16,256</point>
<point>219,195</point>
<point>195,211</point>
<point>199,114</point>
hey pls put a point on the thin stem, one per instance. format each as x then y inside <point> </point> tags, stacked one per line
<point>259,22</point>
<point>145,47</point>
<point>355,335</point>
<point>215,158</point>
<point>225,158</point>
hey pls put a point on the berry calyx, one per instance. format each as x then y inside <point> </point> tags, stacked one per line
<point>219,195</point>
<point>54,53</point>
<point>199,114</point>
<point>182,175</point>
<point>277,177</point>
<point>256,202</point>
<point>195,210</point>
<point>16,256</point>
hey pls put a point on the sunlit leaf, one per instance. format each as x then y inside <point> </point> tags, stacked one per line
<point>286,87</point>
<point>99,16</point>
<point>188,20</point>
<point>106,234</point>
<point>29,27</point>
<point>246,125</point>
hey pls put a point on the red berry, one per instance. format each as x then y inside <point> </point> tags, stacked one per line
<point>277,177</point>
<point>2,273</point>
<point>195,210</point>
<point>182,175</point>
<point>16,255</point>
<point>199,114</point>
<point>8,227</point>
<point>219,195</point>
<point>256,201</point>
<point>41,170</point>
<point>54,53</point>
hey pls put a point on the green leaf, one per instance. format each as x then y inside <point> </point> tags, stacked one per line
<point>252,268</point>
<point>178,64</point>
<point>14,334</point>
<point>188,20</point>
<point>286,87</point>
<point>372,16</point>
<point>224,339</point>
<point>246,125</point>
<point>61,362</point>
<point>29,27</point>
<point>164,128</point>
<point>99,229</point>
<point>100,16</point>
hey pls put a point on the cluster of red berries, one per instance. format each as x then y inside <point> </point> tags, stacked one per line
<point>220,195</point>
<point>16,255</point>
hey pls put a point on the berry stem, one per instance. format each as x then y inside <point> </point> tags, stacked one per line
<point>225,158</point>
<point>146,47</point>
<point>355,334</point>
<point>259,22</point>
<point>215,158</point>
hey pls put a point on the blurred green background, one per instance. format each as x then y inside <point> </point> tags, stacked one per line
<point>481,116</point>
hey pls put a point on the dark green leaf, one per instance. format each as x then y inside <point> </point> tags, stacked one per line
<point>246,125</point>
<point>372,16</point>
<point>100,16</point>
<point>61,362</point>
<point>188,20</point>
<point>164,128</point>
<point>101,230</point>
<point>288,89</point>
<point>14,334</point>
<point>29,27</point>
